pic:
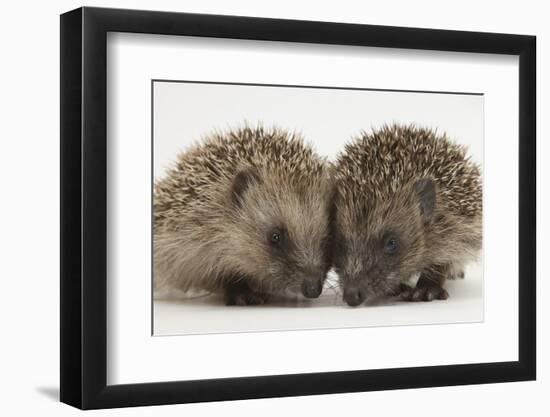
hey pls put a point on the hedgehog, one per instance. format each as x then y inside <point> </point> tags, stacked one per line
<point>408,202</point>
<point>244,213</point>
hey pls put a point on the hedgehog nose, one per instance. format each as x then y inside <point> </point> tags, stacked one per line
<point>312,287</point>
<point>353,296</point>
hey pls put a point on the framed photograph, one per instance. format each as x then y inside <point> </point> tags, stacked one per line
<point>256,208</point>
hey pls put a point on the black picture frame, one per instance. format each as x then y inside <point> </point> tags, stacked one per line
<point>84,207</point>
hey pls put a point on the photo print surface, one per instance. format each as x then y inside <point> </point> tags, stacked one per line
<point>295,207</point>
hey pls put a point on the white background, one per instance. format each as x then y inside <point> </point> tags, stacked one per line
<point>327,118</point>
<point>29,213</point>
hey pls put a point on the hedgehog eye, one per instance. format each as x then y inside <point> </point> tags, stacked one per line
<point>391,245</point>
<point>275,238</point>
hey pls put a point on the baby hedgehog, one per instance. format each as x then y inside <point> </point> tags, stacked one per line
<point>246,213</point>
<point>408,201</point>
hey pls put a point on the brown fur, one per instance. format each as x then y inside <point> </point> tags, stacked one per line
<point>416,187</point>
<point>217,207</point>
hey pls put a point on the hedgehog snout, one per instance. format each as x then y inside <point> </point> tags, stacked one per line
<point>354,296</point>
<point>312,287</point>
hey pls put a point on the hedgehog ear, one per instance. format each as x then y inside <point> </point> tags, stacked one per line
<point>242,181</point>
<point>425,192</point>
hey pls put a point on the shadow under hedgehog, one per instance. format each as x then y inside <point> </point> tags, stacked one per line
<point>244,213</point>
<point>407,201</point>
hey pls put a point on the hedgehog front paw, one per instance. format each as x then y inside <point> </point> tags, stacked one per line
<point>426,290</point>
<point>243,296</point>
<point>397,291</point>
<point>424,294</point>
<point>244,299</point>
